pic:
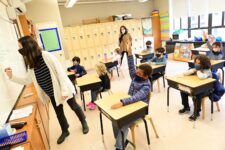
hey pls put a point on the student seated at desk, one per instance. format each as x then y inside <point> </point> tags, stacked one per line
<point>148,49</point>
<point>216,53</point>
<point>139,90</point>
<point>159,59</point>
<point>78,70</point>
<point>103,75</point>
<point>203,71</point>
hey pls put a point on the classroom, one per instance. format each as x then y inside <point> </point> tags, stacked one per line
<point>112,74</point>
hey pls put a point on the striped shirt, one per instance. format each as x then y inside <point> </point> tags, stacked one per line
<point>43,77</point>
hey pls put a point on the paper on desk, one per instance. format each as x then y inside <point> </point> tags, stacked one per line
<point>18,148</point>
<point>21,113</point>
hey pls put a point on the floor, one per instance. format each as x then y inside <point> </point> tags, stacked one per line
<point>175,131</point>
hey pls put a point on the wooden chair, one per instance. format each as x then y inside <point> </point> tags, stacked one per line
<point>136,124</point>
<point>203,107</point>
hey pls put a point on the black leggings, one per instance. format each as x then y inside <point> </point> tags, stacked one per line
<point>60,112</point>
<point>122,54</point>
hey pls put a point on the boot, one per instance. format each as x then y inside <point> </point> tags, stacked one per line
<point>63,136</point>
<point>82,117</point>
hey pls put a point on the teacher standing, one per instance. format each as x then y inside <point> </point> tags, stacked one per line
<point>124,38</point>
<point>50,81</point>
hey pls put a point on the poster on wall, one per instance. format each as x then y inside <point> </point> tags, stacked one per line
<point>194,21</point>
<point>147,26</point>
<point>165,26</point>
<point>204,20</point>
<point>217,19</point>
<point>182,51</point>
<point>50,39</point>
<point>184,22</point>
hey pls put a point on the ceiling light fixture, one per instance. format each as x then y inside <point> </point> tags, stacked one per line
<point>70,3</point>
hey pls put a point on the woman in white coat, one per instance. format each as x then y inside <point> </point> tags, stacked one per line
<point>50,81</point>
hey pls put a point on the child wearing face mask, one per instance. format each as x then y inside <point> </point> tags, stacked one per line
<point>158,59</point>
<point>203,71</point>
<point>148,49</point>
<point>216,52</point>
<point>139,90</point>
<point>78,70</point>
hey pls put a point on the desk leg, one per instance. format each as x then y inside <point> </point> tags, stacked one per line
<point>117,71</point>
<point>101,123</point>
<point>195,109</point>
<point>222,75</point>
<point>123,144</point>
<point>146,130</point>
<point>82,98</point>
<point>168,98</point>
<point>211,110</point>
<point>164,81</point>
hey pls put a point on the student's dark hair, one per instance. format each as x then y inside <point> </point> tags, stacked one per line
<point>76,59</point>
<point>160,50</point>
<point>31,51</point>
<point>204,61</point>
<point>121,35</point>
<point>217,44</point>
<point>146,68</point>
<point>148,43</point>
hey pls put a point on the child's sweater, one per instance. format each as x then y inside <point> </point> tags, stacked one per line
<point>160,60</point>
<point>79,70</point>
<point>139,91</point>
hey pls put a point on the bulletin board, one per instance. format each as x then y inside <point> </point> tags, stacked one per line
<point>165,26</point>
<point>182,51</point>
<point>50,39</point>
<point>147,26</point>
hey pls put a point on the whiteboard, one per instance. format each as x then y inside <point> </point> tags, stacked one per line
<point>9,57</point>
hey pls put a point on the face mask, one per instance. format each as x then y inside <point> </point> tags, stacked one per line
<point>216,53</point>
<point>75,63</point>
<point>158,55</point>
<point>197,67</point>
<point>148,46</point>
<point>139,79</point>
<point>123,31</point>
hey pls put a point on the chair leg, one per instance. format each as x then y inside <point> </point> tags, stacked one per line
<point>218,106</point>
<point>158,83</point>
<point>203,108</point>
<point>153,126</point>
<point>110,92</point>
<point>133,135</point>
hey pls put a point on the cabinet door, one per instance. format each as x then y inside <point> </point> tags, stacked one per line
<point>96,35</point>
<point>67,38</point>
<point>38,141</point>
<point>102,34</point>
<point>75,38</point>
<point>44,114</point>
<point>41,129</point>
<point>82,37</point>
<point>89,36</point>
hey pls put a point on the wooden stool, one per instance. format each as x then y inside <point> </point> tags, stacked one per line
<point>203,107</point>
<point>132,128</point>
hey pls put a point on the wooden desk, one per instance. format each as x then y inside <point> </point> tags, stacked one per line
<point>191,85</point>
<point>198,50</point>
<point>109,63</point>
<point>123,115</point>
<point>72,78</point>
<point>86,83</point>
<point>215,64</point>
<point>143,55</point>
<point>157,69</point>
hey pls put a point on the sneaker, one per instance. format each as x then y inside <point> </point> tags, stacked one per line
<point>63,137</point>
<point>184,110</point>
<point>92,106</point>
<point>194,117</point>
<point>89,104</point>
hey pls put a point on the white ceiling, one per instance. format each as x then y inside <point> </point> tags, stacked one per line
<point>62,2</point>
